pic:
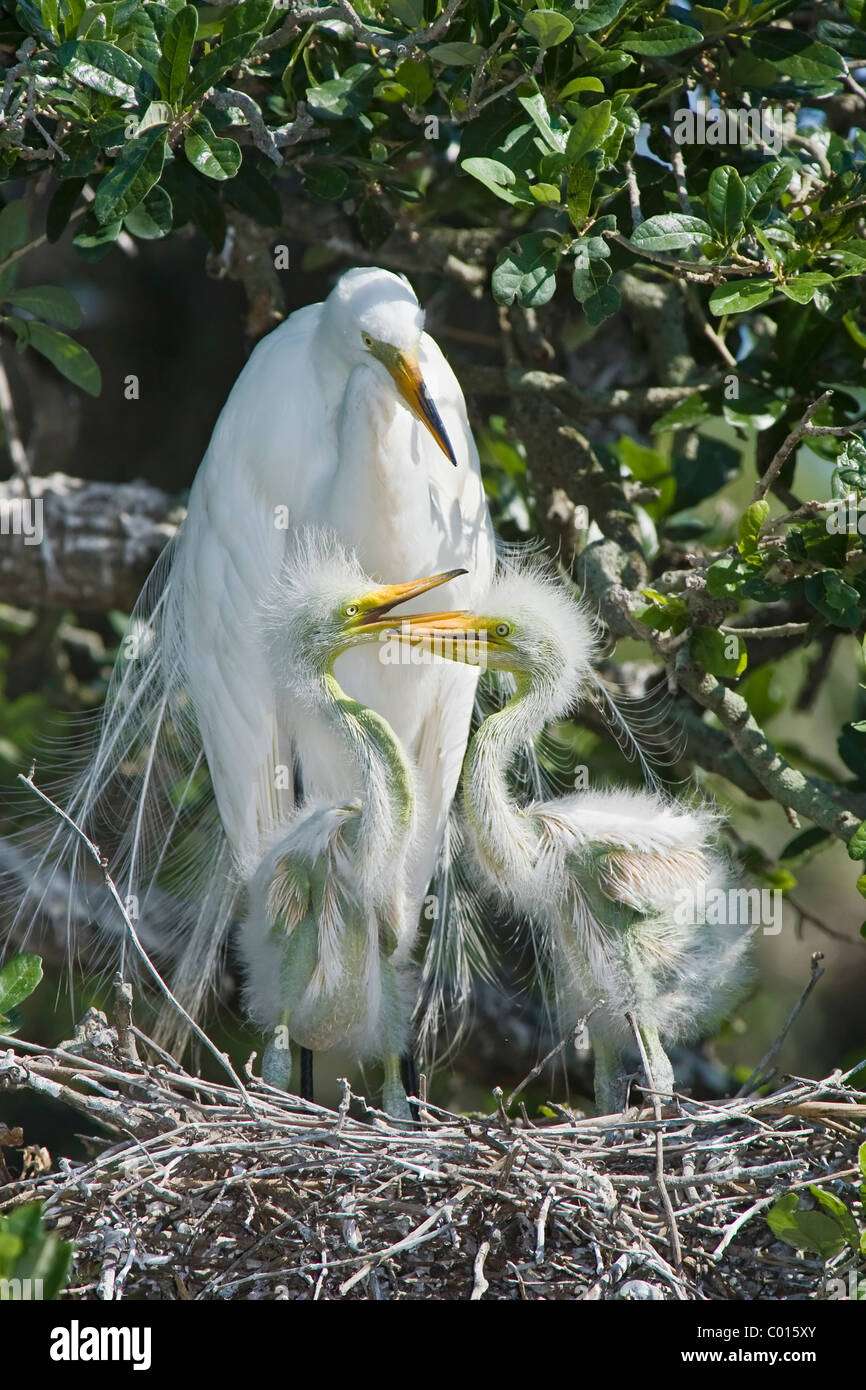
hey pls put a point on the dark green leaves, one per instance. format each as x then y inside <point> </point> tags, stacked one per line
<point>720,653</point>
<point>824,1233</point>
<point>215,156</point>
<point>547,27</point>
<point>662,39</point>
<point>14,228</point>
<point>134,174</point>
<point>526,272</point>
<point>18,979</point>
<point>670,231</point>
<point>177,46</point>
<point>726,204</point>
<point>48,302</point>
<point>740,296</point>
<point>208,70</point>
<point>103,67</point>
<point>71,359</point>
<point>29,1252</point>
<point>499,179</point>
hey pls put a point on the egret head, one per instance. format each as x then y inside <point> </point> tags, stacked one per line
<point>323,603</point>
<point>528,625</point>
<point>372,314</point>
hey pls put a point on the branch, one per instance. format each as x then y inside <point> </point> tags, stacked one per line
<point>804,430</point>
<point>104,539</point>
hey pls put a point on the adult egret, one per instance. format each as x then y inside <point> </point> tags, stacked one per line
<point>327,938</point>
<point>601,875</point>
<point>347,415</point>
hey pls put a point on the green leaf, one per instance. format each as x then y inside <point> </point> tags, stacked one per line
<point>548,27</point>
<point>526,271</point>
<point>14,228</point>
<point>804,288</point>
<point>177,47</point>
<point>18,979</point>
<point>726,203</point>
<point>60,208</point>
<point>596,14</point>
<point>589,129</point>
<point>591,269</point>
<point>536,108</point>
<point>581,84</point>
<point>684,415</point>
<point>670,231</point>
<point>250,17</point>
<point>71,359</point>
<point>498,178</point>
<point>835,600</point>
<point>798,57</point>
<point>599,306</point>
<point>132,177</point>
<point>720,653</point>
<point>805,1230</point>
<point>727,575</point>
<point>457,55</point>
<point>740,296</point>
<point>215,156</point>
<point>208,70</point>
<point>667,37</point>
<point>749,529</point>
<point>153,218</point>
<point>766,182</point>
<point>103,67</point>
<point>48,302</point>
<point>837,1209</point>
<point>417,78</point>
<point>857,844</point>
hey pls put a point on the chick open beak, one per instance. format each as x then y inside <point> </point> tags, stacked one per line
<point>390,595</point>
<point>407,377</point>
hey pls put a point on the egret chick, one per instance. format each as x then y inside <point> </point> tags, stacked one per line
<point>328,932</point>
<point>602,876</point>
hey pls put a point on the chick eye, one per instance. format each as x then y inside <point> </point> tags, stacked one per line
<point>366,340</point>
<point>503,629</point>
<point>351,610</point>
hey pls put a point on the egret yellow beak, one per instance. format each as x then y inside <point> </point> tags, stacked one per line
<point>406,375</point>
<point>390,595</point>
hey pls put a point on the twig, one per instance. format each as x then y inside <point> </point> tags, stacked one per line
<point>803,430</point>
<point>676,1248</point>
<point>755,1079</point>
<point>554,1051</point>
<point>480,1286</point>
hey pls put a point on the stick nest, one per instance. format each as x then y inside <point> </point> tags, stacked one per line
<point>208,1191</point>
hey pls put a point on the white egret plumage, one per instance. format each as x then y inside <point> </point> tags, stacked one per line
<point>327,938</point>
<point>347,416</point>
<point>610,880</point>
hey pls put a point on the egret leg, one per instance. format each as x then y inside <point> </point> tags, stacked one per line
<point>394,1101</point>
<point>611,1079</point>
<point>661,1077</point>
<point>277,1057</point>
<point>306,1074</point>
<point>409,1072</point>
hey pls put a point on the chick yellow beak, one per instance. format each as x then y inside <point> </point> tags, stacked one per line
<point>406,375</point>
<point>390,595</point>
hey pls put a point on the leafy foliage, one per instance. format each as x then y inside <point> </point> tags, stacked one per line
<point>29,1252</point>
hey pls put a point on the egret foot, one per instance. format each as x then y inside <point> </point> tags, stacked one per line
<point>394,1099</point>
<point>277,1063</point>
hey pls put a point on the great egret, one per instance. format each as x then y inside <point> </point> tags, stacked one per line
<point>328,933</point>
<point>601,875</point>
<point>347,415</point>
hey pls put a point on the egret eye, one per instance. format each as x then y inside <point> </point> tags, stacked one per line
<point>351,610</point>
<point>366,340</point>
<point>503,629</point>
